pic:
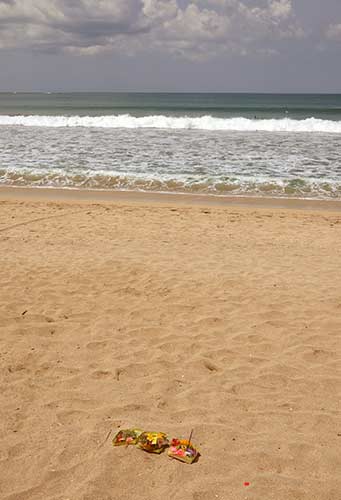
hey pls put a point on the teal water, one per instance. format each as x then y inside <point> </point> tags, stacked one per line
<point>254,144</point>
<point>299,106</point>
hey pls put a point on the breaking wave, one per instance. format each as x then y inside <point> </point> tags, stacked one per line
<point>102,180</point>
<point>308,125</point>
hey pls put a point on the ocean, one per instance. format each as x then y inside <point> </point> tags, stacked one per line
<point>221,144</point>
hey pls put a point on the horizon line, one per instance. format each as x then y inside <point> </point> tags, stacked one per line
<point>48,92</point>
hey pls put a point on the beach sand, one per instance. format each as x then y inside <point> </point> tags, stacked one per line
<point>169,316</point>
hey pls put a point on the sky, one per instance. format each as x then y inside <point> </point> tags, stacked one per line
<point>170,45</point>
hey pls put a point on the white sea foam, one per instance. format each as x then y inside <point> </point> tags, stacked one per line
<point>171,122</point>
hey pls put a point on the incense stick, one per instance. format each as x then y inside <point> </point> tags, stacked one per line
<point>190,437</point>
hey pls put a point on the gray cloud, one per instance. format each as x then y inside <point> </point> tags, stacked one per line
<point>196,29</point>
<point>67,25</point>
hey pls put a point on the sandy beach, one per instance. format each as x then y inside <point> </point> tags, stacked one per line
<point>169,314</point>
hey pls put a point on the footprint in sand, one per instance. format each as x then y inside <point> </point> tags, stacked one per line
<point>101,374</point>
<point>202,495</point>
<point>318,356</point>
<point>94,346</point>
<point>16,451</point>
<point>71,417</point>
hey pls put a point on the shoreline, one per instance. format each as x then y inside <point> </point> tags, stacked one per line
<point>41,194</point>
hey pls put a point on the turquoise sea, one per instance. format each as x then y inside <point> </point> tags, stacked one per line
<point>236,144</point>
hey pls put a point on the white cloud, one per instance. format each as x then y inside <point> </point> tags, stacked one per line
<point>201,29</point>
<point>333,32</point>
<point>197,25</point>
<point>160,10</point>
<point>281,9</point>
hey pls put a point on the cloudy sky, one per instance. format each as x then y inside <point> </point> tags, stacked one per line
<point>171,45</point>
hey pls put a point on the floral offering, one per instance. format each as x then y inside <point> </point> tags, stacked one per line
<point>153,442</point>
<point>126,437</point>
<point>183,450</point>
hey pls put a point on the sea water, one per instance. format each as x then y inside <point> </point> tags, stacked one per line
<point>235,144</point>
